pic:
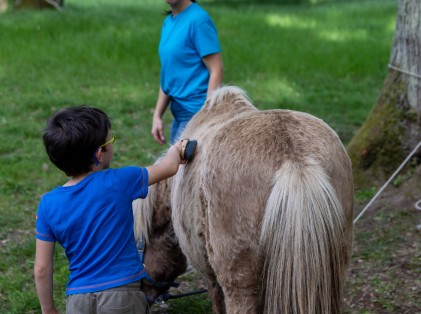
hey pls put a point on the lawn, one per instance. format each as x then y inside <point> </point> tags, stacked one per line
<point>328,60</point>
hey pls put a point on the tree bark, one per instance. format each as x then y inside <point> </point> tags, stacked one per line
<point>393,128</point>
<point>3,5</point>
<point>39,4</point>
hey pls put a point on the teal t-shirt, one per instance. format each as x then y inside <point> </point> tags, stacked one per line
<point>185,40</point>
<point>93,221</point>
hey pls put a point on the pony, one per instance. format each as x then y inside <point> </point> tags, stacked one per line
<point>263,211</point>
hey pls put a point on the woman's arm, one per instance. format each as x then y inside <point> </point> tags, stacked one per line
<point>216,71</point>
<point>157,124</point>
<point>43,273</point>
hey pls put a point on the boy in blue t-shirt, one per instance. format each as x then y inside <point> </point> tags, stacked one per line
<point>91,216</point>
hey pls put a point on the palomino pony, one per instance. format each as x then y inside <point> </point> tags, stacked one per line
<point>264,210</point>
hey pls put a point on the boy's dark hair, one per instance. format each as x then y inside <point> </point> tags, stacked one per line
<point>72,137</point>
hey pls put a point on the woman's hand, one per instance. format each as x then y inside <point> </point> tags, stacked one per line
<point>158,130</point>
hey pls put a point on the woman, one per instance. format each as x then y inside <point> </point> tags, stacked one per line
<point>191,65</point>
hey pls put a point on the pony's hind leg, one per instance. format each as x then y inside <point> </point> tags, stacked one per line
<point>241,300</point>
<point>217,296</point>
<point>239,279</point>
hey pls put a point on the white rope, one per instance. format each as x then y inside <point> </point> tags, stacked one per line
<point>55,5</point>
<point>403,71</point>
<point>388,181</point>
<point>418,205</point>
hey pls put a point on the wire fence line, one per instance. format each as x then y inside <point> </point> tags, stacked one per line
<point>387,183</point>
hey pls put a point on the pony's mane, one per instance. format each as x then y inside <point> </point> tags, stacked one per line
<point>143,210</point>
<point>143,214</point>
<point>227,94</point>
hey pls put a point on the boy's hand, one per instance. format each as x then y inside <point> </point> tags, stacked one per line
<point>178,147</point>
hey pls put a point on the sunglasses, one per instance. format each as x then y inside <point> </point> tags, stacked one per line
<point>111,141</point>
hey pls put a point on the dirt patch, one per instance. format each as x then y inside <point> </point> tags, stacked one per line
<point>16,236</point>
<point>385,272</point>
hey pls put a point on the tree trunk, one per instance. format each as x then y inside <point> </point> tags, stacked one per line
<point>39,4</point>
<point>393,128</point>
<point>3,5</point>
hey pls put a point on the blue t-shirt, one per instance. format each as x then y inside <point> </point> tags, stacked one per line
<point>93,221</point>
<point>185,39</point>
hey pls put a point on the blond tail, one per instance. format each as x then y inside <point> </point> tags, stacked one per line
<point>301,243</point>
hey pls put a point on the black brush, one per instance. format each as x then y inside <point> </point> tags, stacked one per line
<point>188,147</point>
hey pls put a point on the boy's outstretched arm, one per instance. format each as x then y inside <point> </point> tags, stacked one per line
<point>43,273</point>
<point>167,166</point>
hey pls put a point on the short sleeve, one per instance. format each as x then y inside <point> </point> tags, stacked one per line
<point>43,231</point>
<point>134,181</point>
<point>206,39</point>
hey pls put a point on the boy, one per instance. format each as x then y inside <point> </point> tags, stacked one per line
<point>91,216</point>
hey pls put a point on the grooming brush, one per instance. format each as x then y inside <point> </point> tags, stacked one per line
<point>188,148</point>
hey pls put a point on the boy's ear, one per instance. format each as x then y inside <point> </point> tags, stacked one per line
<point>99,155</point>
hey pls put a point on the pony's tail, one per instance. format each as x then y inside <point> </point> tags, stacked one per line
<point>302,242</point>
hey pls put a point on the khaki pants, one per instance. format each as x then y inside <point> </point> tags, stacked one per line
<point>126,299</point>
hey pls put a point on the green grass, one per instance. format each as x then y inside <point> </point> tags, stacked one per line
<point>329,60</point>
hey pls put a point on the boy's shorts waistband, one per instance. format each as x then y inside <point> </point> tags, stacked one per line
<point>134,286</point>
